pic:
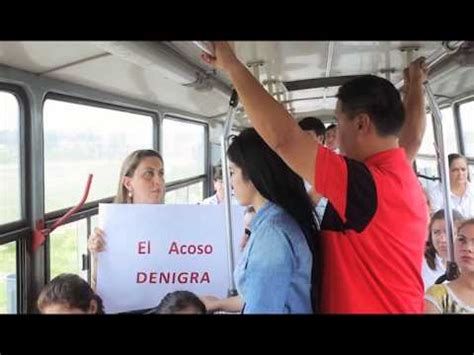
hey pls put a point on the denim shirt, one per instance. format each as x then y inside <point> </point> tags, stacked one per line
<point>274,272</point>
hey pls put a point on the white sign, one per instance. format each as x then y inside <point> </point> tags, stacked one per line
<point>155,249</point>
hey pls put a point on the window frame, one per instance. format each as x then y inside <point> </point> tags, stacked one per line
<point>79,216</point>
<point>20,96</point>
<point>205,177</point>
<point>90,208</point>
<point>457,133</point>
<point>18,231</point>
<point>462,146</point>
<point>156,127</point>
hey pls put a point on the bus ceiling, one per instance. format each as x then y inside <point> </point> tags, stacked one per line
<point>304,76</point>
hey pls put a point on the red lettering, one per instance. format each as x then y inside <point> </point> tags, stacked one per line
<point>164,277</point>
<point>141,277</point>
<point>194,277</point>
<point>141,247</point>
<point>173,248</point>
<point>183,277</point>
<point>190,249</point>
<point>144,247</point>
<point>205,278</point>
<point>173,277</point>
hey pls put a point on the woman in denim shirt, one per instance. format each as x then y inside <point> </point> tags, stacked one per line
<point>274,274</point>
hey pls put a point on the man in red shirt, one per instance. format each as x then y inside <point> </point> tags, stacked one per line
<point>374,227</point>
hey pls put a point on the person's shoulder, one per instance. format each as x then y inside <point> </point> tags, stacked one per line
<point>278,232</point>
<point>282,223</point>
<point>470,189</point>
<point>277,215</point>
<point>437,291</point>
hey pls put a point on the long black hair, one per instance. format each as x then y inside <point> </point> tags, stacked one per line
<point>276,182</point>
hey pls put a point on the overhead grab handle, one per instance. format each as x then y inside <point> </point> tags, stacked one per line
<point>205,46</point>
<point>448,48</point>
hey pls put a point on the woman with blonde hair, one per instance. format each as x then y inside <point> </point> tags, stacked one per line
<point>141,181</point>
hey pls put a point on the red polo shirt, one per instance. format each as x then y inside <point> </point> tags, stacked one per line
<point>373,233</point>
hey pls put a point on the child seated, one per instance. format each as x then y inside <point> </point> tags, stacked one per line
<point>69,294</point>
<point>179,302</point>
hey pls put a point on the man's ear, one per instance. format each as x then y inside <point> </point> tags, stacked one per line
<point>363,122</point>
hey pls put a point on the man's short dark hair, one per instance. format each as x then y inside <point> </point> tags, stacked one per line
<point>313,124</point>
<point>378,98</point>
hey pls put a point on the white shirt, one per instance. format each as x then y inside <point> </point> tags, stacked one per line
<point>430,276</point>
<point>463,204</point>
<point>321,206</point>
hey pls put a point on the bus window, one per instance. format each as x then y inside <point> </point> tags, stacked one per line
<point>427,167</point>
<point>190,194</point>
<point>8,283</point>
<point>67,244</point>
<point>427,146</point>
<point>426,164</point>
<point>466,111</point>
<point>183,149</point>
<point>449,130</point>
<point>81,139</point>
<point>10,180</point>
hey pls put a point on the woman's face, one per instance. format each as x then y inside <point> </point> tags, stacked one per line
<point>219,188</point>
<point>458,171</point>
<point>438,236</point>
<point>244,189</point>
<point>147,185</point>
<point>331,138</point>
<point>464,248</point>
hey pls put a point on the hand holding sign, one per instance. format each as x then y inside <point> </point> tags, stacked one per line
<point>96,241</point>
